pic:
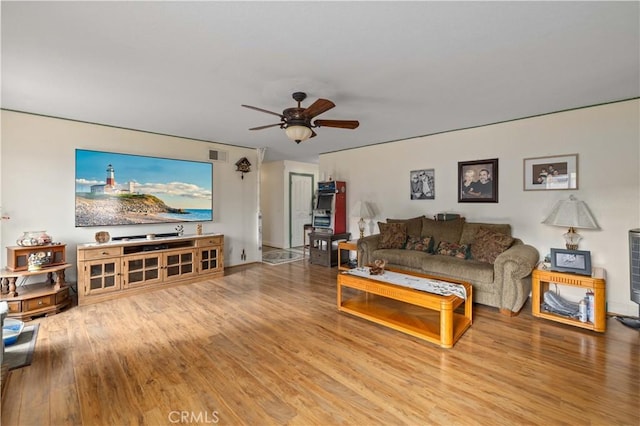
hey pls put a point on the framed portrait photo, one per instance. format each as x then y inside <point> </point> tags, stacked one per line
<point>576,261</point>
<point>422,184</point>
<point>549,173</point>
<point>478,181</point>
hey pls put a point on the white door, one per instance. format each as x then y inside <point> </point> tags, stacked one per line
<point>300,206</point>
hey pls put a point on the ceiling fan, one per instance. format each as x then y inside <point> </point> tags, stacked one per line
<point>296,121</point>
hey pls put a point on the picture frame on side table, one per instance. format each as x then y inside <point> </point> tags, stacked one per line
<point>576,261</point>
<point>550,173</point>
<point>478,181</point>
<point>423,184</point>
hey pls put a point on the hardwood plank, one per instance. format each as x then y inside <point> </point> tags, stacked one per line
<point>266,345</point>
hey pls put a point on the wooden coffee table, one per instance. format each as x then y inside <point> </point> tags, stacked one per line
<point>429,316</point>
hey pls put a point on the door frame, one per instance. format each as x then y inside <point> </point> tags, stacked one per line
<point>313,183</point>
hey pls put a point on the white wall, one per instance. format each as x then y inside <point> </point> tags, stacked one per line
<point>274,201</point>
<point>272,197</point>
<point>38,174</point>
<point>606,138</point>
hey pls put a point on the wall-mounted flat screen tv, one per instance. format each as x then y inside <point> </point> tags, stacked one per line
<point>125,189</point>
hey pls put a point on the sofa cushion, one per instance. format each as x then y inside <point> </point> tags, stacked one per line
<point>392,235</point>
<point>488,244</point>
<point>420,243</point>
<point>442,230</point>
<point>414,225</point>
<point>460,269</point>
<point>446,248</point>
<point>470,229</point>
<point>402,259</point>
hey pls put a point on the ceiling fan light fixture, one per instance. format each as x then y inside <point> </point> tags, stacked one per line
<point>298,133</point>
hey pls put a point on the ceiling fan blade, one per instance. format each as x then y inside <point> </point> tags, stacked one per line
<point>342,124</point>
<point>265,127</point>
<point>318,107</point>
<point>263,110</point>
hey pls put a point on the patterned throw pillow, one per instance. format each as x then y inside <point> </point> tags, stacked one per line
<point>488,245</point>
<point>420,244</point>
<point>461,251</point>
<point>392,235</point>
<point>414,225</point>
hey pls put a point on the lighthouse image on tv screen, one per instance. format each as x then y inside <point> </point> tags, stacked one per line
<point>126,189</point>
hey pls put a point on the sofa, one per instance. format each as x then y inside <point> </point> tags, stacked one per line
<point>497,265</point>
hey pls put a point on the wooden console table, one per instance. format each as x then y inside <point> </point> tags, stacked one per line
<point>45,298</point>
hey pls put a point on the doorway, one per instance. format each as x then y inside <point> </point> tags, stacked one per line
<point>300,206</point>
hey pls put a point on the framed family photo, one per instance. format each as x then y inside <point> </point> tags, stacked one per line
<point>478,181</point>
<point>422,184</point>
<point>576,261</point>
<point>549,173</point>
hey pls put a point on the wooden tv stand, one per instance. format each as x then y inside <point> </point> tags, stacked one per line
<point>124,267</point>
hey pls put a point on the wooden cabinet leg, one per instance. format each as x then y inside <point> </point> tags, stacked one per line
<point>59,280</point>
<point>12,287</point>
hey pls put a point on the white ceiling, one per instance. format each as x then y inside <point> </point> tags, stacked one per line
<point>403,69</point>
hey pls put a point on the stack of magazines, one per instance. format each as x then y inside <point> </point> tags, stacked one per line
<point>555,304</point>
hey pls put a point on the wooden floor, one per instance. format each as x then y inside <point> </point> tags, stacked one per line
<point>266,345</point>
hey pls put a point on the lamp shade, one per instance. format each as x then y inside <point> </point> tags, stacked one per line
<point>571,213</point>
<point>298,133</point>
<point>362,209</point>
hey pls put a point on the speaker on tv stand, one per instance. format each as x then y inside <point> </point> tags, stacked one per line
<point>634,266</point>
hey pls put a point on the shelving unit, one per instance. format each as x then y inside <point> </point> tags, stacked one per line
<point>542,278</point>
<point>18,256</point>
<point>43,298</point>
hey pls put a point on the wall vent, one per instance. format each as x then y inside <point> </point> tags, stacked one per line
<point>216,155</point>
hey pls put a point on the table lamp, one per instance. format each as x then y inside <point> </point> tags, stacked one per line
<point>363,210</point>
<point>574,214</point>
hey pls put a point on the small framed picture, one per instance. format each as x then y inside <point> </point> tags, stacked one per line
<point>478,181</point>
<point>422,184</point>
<point>549,173</point>
<point>576,261</point>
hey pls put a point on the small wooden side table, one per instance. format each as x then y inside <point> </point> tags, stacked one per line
<point>45,298</point>
<point>540,280</point>
<point>348,246</point>
<point>307,229</point>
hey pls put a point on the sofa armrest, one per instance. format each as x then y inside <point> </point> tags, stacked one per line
<point>366,247</point>
<point>512,270</point>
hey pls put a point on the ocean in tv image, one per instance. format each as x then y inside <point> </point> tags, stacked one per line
<point>127,189</point>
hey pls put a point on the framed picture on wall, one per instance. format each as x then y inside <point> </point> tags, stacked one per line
<point>549,173</point>
<point>478,181</point>
<point>422,184</point>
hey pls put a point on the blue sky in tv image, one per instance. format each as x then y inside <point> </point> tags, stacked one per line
<point>179,183</point>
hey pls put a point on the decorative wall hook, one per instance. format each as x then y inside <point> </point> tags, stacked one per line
<point>243,166</point>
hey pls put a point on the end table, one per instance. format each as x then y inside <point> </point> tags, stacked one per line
<point>540,280</point>
<point>348,246</point>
